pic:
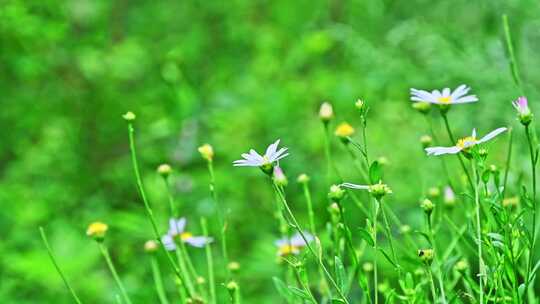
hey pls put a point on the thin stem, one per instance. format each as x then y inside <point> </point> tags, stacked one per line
<point>432,284</point>
<point>478,234</point>
<point>220,216</point>
<point>451,136</point>
<point>112,269</point>
<point>172,205</point>
<point>438,261</point>
<point>147,207</point>
<point>301,232</point>
<point>508,159</point>
<point>533,172</point>
<point>156,273</point>
<point>512,57</point>
<point>390,241</point>
<point>375,274</point>
<point>53,260</point>
<point>210,263</point>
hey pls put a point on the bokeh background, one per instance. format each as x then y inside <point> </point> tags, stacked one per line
<point>237,74</point>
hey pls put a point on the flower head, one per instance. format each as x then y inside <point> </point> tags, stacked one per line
<point>266,161</point>
<point>524,113</point>
<point>97,231</point>
<point>336,193</point>
<point>426,255</point>
<point>207,152</point>
<point>326,112</point>
<point>426,141</point>
<point>279,177</point>
<point>427,205</point>
<point>464,144</point>
<point>177,233</point>
<point>344,130</point>
<point>164,170</point>
<point>444,97</point>
<point>292,246</point>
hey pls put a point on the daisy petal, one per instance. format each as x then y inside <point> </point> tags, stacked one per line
<point>168,242</point>
<point>492,134</point>
<point>181,224</point>
<point>198,241</point>
<point>355,186</point>
<point>442,150</point>
<point>272,149</point>
<point>466,99</point>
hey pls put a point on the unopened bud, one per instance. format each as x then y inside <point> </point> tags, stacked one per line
<point>426,141</point>
<point>207,152</point>
<point>434,192</point>
<point>279,177</point>
<point>150,246</point>
<point>326,112</point>
<point>379,190</point>
<point>422,107</point>
<point>343,131</point>
<point>164,170</point>
<point>302,178</point>
<point>336,193</point>
<point>129,116</point>
<point>426,256</point>
<point>427,205</point>
<point>97,231</point>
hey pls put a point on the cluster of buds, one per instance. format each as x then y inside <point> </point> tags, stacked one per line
<point>525,115</point>
<point>97,231</point>
<point>426,256</point>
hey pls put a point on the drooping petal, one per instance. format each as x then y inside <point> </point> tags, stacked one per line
<point>245,163</point>
<point>492,134</point>
<point>446,92</point>
<point>255,155</point>
<point>278,155</point>
<point>198,241</point>
<point>442,150</point>
<point>173,228</point>
<point>421,95</point>
<point>459,91</point>
<point>168,242</point>
<point>181,224</point>
<point>355,186</point>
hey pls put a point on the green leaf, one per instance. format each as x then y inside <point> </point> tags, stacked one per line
<point>375,172</point>
<point>299,293</point>
<point>337,301</point>
<point>282,288</point>
<point>387,257</point>
<point>366,236</point>
<point>485,176</point>
<point>341,275</point>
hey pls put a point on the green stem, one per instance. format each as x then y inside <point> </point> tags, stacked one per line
<point>533,169</point>
<point>508,159</point>
<point>432,284</point>
<point>375,274</point>
<point>478,234</point>
<point>53,260</point>
<point>512,57</point>
<point>147,207</point>
<point>438,261</point>
<point>390,241</point>
<point>210,263</point>
<point>301,232</point>
<point>156,273</point>
<point>451,136</point>
<point>110,264</point>
<point>220,217</point>
<point>172,205</point>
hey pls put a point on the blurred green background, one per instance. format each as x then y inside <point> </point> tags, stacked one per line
<point>237,74</point>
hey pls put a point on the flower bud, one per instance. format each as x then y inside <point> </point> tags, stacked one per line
<point>493,169</point>
<point>343,131</point>
<point>360,105</point>
<point>367,267</point>
<point>426,141</point>
<point>207,152</point>
<point>97,231</point>
<point>434,192</point>
<point>336,193</point>
<point>461,265</point>
<point>335,212</point>
<point>449,197</point>
<point>404,229</point>
<point>379,190</point>
<point>232,286</point>
<point>510,202</point>
<point>483,152</point>
<point>279,177</point>
<point>302,178</point>
<point>326,112</point>
<point>200,280</point>
<point>426,256</point>
<point>129,116</point>
<point>233,266</point>
<point>422,107</point>
<point>524,113</point>
<point>383,161</point>
<point>164,170</point>
<point>150,246</point>
<point>427,205</point>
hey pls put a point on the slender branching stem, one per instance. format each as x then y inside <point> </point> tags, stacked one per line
<point>156,273</point>
<point>533,172</point>
<point>478,234</point>
<point>452,138</point>
<point>437,259</point>
<point>112,269</point>
<point>432,283</point>
<point>310,249</point>
<point>53,260</point>
<point>375,271</point>
<point>209,263</point>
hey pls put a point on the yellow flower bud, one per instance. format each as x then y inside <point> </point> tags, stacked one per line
<point>97,231</point>
<point>207,152</point>
<point>164,170</point>
<point>344,130</point>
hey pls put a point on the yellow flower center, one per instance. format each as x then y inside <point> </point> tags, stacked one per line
<point>344,130</point>
<point>288,249</point>
<point>447,99</point>
<point>185,236</point>
<point>466,142</point>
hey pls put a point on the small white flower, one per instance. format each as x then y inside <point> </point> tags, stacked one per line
<point>177,233</point>
<point>464,143</point>
<point>459,95</point>
<point>254,159</point>
<point>293,245</point>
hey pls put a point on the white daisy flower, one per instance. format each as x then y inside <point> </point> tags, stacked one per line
<point>446,97</point>
<point>177,233</point>
<point>293,245</point>
<point>464,143</point>
<point>254,159</point>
